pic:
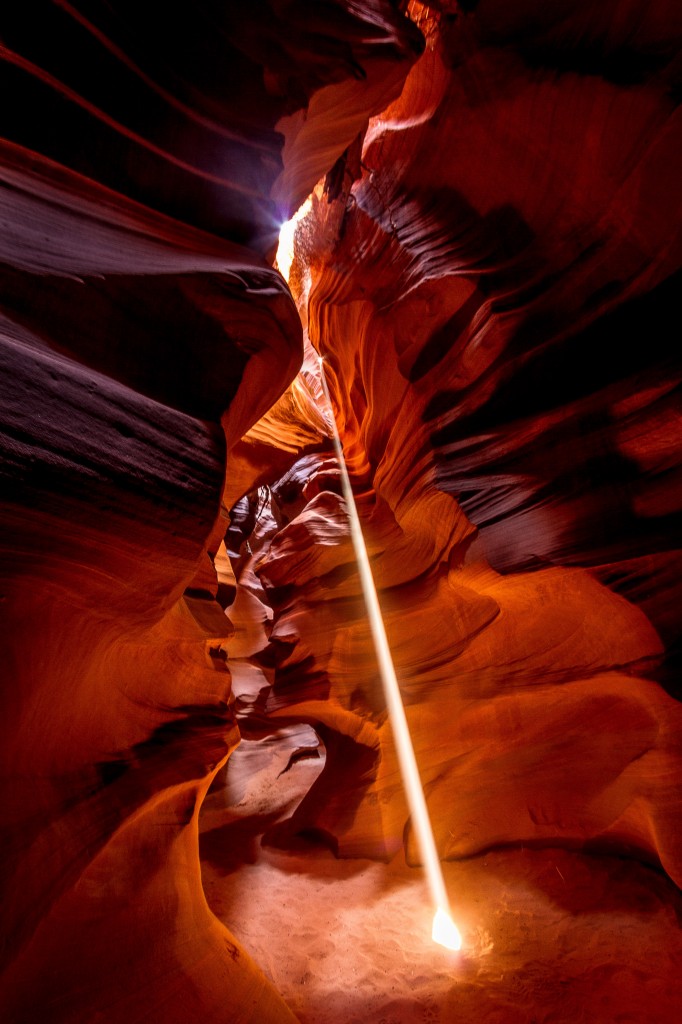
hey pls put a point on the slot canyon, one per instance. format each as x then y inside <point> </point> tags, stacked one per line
<point>479,205</point>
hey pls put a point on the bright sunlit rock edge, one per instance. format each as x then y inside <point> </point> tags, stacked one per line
<point>285,249</point>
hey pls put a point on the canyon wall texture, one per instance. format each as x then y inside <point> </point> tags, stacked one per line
<point>490,268</point>
<point>143,332</point>
<point>494,297</point>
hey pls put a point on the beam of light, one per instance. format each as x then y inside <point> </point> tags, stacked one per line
<point>445,931</point>
<point>285,249</point>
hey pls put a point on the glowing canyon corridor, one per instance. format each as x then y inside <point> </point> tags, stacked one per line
<point>341,512</point>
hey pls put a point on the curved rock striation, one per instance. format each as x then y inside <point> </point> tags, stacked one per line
<point>495,317</point>
<point>142,335</point>
<point>179,109</point>
<point>119,709</point>
<point>490,269</point>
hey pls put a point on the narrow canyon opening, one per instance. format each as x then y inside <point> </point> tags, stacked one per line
<point>203,810</point>
<point>295,855</point>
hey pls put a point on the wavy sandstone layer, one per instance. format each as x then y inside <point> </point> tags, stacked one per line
<point>495,315</point>
<point>490,268</point>
<point>142,335</point>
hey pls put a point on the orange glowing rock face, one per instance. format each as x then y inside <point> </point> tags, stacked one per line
<point>508,462</point>
<point>143,333</point>
<point>491,273</point>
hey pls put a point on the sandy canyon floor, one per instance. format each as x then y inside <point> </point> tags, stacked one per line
<point>550,936</point>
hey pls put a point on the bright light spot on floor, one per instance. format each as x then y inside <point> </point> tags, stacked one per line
<point>409,771</point>
<point>285,249</point>
<point>445,932</point>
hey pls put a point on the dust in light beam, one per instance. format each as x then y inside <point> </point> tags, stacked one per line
<point>445,931</point>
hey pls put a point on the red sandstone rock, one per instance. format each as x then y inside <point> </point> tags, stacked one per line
<point>142,336</point>
<point>493,273</point>
<point>481,315</point>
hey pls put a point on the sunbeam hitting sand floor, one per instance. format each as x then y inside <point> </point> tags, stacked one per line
<point>550,936</point>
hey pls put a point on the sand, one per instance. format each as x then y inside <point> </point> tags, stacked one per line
<point>550,936</point>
